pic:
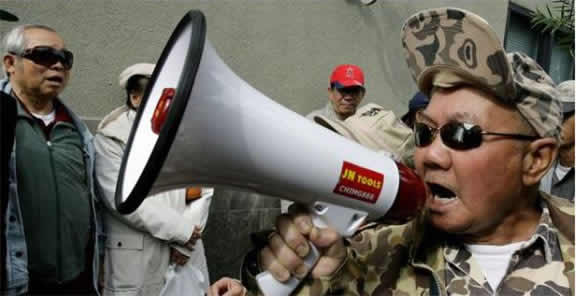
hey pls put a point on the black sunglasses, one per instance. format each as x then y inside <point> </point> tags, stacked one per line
<point>48,56</point>
<point>351,90</point>
<point>458,135</point>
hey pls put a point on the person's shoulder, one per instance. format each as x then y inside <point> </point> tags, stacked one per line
<point>113,121</point>
<point>561,204</point>
<point>378,237</point>
<point>315,113</point>
<point>562,214</point>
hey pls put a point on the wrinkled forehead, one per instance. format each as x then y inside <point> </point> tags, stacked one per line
<point>464,103</point>
<point>41,37</point>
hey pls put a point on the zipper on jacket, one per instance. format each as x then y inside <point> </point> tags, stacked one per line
<point>58,235</point>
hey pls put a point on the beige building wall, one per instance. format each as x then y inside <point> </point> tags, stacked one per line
<point>284,48</point>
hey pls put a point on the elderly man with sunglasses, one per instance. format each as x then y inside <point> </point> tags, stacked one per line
<point>488,135</point>
<point>51,222</point>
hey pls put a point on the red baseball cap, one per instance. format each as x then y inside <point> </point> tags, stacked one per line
<point>347,75</point>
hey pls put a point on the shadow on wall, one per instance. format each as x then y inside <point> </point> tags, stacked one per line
<point>233,216</point>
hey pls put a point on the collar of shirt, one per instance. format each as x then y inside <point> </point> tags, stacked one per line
<point>544,241</point>
<point>60,116</point>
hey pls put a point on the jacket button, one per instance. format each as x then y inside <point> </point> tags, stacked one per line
<point>19,254</point>
<point>119,244</point>
<point>12,219</point>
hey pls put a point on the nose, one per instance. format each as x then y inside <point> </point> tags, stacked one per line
<point>348,96</point>
<point>58,66</point>
<point>436,155</point>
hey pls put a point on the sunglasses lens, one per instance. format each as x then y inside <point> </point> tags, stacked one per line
<point>460,137</point>
<point>422,135</point>
<point>68,60</point>
<point>351,91</point>
<point>48,56</point>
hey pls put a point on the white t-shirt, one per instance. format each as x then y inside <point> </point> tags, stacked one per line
<point>48,118</point>
<point>494,260</point>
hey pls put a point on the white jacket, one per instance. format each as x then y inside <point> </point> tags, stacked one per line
<point>138,245</point>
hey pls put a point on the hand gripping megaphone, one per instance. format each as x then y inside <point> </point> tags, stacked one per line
<point>200,124</point>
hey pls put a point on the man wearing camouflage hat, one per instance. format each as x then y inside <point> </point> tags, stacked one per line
<point>488,135</point>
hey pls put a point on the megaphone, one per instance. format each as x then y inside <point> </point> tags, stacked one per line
<point>200,124</point>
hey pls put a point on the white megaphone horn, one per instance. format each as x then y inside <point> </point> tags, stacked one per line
<point>200,124</point>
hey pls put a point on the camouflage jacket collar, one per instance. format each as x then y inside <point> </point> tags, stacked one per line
<point>553,239</point>
<point>542,248</point>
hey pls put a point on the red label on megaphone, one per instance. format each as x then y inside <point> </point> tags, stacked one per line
<point>359,183</point>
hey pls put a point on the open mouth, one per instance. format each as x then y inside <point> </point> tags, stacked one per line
<point>440,192</point>
<point>55,79</point>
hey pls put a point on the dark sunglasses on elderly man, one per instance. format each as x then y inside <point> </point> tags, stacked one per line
<point>458,135</point>
<point>48,56</point>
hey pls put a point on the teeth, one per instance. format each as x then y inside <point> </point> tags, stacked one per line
<point>443,198</point>
<point>441,193</point>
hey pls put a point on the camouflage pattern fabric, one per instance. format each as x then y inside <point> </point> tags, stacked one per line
<point>412,259</point>
<point>446,47</point>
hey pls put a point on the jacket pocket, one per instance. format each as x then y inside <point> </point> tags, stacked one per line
<point>123,263</point>
<point>125,241</point>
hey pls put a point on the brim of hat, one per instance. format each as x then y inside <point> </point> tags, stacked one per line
<point>347,83</point>
<point>456,41</point>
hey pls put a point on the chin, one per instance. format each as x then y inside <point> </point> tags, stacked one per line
<point>448,224</point>
<point>53,92</point>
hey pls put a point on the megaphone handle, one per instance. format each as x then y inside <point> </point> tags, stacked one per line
<point>269,286</point>
<point>344,220</point>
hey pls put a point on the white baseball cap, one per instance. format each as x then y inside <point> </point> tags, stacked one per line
<point>144,69</point>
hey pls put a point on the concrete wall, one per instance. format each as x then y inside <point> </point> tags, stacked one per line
<point>285,48</point>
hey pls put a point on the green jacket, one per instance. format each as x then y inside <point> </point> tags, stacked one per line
<point>54,198</point>
<point>412,259</point>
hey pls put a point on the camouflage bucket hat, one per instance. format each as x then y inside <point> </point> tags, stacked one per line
<point>445,47</point>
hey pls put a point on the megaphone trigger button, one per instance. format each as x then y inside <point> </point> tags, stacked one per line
<point>162,108</point>
<point>319,208</point>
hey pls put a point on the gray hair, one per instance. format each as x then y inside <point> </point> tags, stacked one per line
<point>14,41</point>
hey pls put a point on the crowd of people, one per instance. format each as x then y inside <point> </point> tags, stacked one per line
<point>489,132</point>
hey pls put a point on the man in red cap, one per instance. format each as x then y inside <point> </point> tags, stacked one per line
<point>346,91</point>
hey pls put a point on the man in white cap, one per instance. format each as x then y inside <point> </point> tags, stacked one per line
<point>559,180</point>
<point>166,227</point>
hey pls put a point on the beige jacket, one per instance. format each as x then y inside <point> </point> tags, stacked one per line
<point>138,245</point>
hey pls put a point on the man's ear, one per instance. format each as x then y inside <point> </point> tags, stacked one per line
<point>332,95</point>
<point>8,62</point>
<point>539,157</point>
